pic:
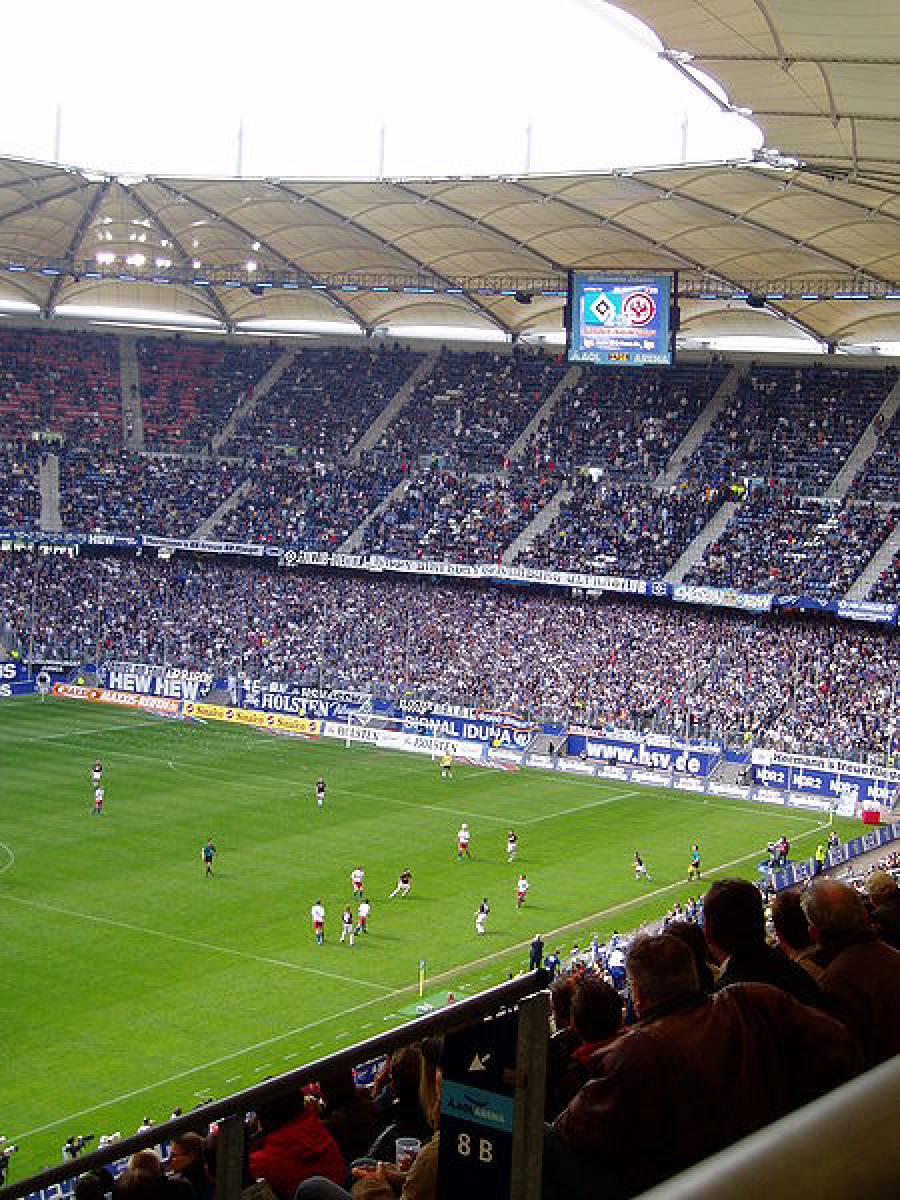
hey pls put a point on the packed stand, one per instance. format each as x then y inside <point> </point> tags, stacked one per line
<point>471,408</point>
<point>629,423</point>
<point>310,505</point>
<point>779,542</point>
<point>445,514</point>
<point>190,389</point>
<point>792,426</point>
<point>324,402</point>
<point>887,587</point>
<point>20,494</point>
<point>62,383</point>
<point>805,686</point>
<point>126,493</point>
<point>623,528</point>
<point>879,478</point>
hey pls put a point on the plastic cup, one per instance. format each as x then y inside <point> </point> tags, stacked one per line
<point>407,1151</point>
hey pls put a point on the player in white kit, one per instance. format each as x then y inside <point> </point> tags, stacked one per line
<point>521,889</point>
<point>462,842</point>
<point>317,914</point>
<point>356,878</point>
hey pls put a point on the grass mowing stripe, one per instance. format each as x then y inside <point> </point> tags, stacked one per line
<point>192,942</point>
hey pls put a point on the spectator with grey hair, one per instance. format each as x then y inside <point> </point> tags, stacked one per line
<point>861,976</point>
<point>792,932</point>
<point>697,1072</point>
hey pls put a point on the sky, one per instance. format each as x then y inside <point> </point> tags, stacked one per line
<point>165,88</point>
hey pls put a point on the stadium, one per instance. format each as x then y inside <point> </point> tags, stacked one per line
<point>449,668</point>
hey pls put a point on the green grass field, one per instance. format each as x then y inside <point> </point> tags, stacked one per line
<point>132,983</point>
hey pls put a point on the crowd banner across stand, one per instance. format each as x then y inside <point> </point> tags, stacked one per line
<point>291,557</point>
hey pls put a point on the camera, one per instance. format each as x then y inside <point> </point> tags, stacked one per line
<point>75,1145</point>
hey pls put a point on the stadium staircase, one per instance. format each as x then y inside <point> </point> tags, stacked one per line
<point>569,380</point>
<point>544,518</point>
<point>880,561</point>
<point>48,477</point>
<point>130,389</point>
<point>373,434</point>
<point>260,391</point>
<point>697,548</point>
<point>694,435</point>
<point>353,541</point>
<point>206,527</point>
<point>865,447</point>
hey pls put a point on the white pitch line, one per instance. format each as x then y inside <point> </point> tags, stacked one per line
<point>10,861</point>
<point>193,942</point>
<point>279,1037</point>
<point>565,812</point>
<point>78,733</point>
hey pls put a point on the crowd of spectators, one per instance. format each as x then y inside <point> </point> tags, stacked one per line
<point>20,494</point>
<point>60,383</point>
<point>808,686</point>
<point>312,505</point>
<point>887,586</point>
<point>324,402</point>
<point>617,528</point>
<point>471,408</point>
<point>879,478</point>
<point>778,541</point>
<point>628,423</point>
<point>445,513</point>
<point>190,389</point>
<point>166,495</point>
<point>794,426</point>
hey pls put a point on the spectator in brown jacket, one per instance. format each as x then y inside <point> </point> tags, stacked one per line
<point>792,932</point>
<point>861,977</point>
<point>697,1072</point>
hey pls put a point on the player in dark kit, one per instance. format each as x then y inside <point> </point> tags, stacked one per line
<point>694,868</point>
<point>320,793</point>
<point>208,853</point>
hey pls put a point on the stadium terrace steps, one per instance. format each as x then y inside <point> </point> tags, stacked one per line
<point>48,476</point>
<point>372,435</point>
<point>865,447</point>
<point>205,528</point>
<point>695,434</point>
<point>130,388</point>
<point>260,391</point>
<point>880,561</point>
<point>697,548</point>
<point>354,541</point>
<point>569,380</point>
<point>542,521</point>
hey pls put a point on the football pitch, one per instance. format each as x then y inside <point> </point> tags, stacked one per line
<point>133,983</point>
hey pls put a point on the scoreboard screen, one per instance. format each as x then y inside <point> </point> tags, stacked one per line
<point>620,318</point>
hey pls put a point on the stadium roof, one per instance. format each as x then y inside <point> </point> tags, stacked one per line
<point>489,253</point>
<point>821,80</point>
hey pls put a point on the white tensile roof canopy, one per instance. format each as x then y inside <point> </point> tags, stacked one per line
<point>813,242</point>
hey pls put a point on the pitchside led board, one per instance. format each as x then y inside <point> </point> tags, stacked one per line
<point>621,318</point>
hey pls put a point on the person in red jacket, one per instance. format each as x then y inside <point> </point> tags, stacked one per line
<point>293,1145</point>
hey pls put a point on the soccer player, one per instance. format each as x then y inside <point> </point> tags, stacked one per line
<point>362,916</point>
<point>207,854</point>
<point>356,878</point>
<point>694,868</point>
<point>317,914</point>
<point>521,889</point>
<point>446,766</point>
<point>404,883</point>
<point>640,869</point>
<point>320,792</point>
<point>512,845</point>
<point>98,801</point>
<point>481,916</point>
<point>97,773</point>
<point>462,842</point>
<point>347,925</point>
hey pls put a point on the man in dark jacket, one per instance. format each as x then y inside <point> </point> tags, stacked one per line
<point>697,1072</point>
<point>861,976</point>
<point>735,927</point>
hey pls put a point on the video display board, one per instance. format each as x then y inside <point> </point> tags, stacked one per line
<point>620,318</point>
